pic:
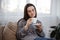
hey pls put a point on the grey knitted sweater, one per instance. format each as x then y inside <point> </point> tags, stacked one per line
<point>30,34</point>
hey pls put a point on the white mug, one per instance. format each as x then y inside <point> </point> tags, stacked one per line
<point>34,21</point>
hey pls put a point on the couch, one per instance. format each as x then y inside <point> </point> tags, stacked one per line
<point>8,32</point>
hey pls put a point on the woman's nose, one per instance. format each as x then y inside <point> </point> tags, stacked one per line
<point>32,12</point>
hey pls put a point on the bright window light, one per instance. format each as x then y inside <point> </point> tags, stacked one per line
<point>43,6</point>
<point>13,5</point>
<point>22,3</point>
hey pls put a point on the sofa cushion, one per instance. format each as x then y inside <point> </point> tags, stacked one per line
<point>1,31</point>
<point>10,31</point>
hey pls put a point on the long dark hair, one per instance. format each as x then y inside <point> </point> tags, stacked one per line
<point>26,16</point>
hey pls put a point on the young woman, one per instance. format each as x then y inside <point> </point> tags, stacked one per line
<point>25,30</point>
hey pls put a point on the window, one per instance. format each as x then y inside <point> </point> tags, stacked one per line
<point>43,6</point>
<point>13,5</point>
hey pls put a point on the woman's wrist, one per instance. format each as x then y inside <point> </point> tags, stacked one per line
<point>26,27</point>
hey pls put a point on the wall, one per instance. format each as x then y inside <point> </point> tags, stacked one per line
<point>58,10</point>
<point>1,15</point>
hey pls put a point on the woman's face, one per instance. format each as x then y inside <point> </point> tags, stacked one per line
<point>31,11</point>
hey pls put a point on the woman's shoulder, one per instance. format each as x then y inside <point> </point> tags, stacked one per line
<point>21,20</point>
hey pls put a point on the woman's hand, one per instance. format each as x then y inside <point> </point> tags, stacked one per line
<point>39,27</point>
<point>29,21</point>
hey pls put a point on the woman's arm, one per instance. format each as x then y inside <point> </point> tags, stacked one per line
<point>41,34</point>
<point>21,32</point>
<point>39,30</point>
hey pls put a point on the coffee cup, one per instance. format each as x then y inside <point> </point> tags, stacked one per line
<point>34,21</point>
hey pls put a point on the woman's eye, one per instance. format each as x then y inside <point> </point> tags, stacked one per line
<point>32,9</point>
<point>29,11</point>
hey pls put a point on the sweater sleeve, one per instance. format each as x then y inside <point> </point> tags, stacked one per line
<point>21,33</point>
<point>41,34</point>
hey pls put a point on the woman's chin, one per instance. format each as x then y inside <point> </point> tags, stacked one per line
<point>32,16</point>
